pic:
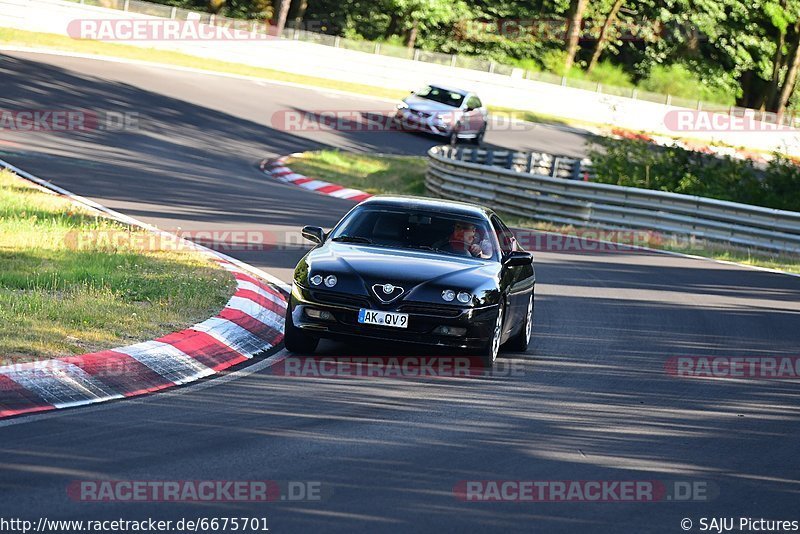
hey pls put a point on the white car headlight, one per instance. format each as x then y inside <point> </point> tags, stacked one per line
<point>464,297</point>
<point>448,295</point>
<point>316,279</point>
<point>330,280</point>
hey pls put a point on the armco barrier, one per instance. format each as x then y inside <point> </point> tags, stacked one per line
<point>586,204</point>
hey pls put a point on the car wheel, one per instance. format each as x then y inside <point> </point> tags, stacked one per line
<point>492,348</point>
<point>479,137</point>
<point>454,135</point>
<point>295,339</point>
<point>519,343</point>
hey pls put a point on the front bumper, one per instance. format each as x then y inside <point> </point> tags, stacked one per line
<point>423,318</point>
<point>407,120</point>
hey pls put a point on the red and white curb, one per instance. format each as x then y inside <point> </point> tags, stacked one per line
<point>277,169</point>
<point>250,323</point>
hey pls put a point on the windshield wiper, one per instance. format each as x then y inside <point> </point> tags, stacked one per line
<point>352,239</point>
<point>421,247</point>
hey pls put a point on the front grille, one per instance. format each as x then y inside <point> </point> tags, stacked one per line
<point>339,299</point>
<point>434,310</point>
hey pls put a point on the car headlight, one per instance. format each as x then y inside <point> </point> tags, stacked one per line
<point>330,280</point>
<point>464,297</point>
<point>316,279</point>
<point>448,295</point>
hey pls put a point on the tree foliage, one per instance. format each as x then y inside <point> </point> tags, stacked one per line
<point>731,51</point>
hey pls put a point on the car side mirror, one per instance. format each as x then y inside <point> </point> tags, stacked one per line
<point>517,258</point>
<point>315,234</point>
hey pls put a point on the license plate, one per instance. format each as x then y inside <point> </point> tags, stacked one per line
<point>382,318</point>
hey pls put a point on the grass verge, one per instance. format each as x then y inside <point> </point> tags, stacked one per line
<point>406,175</point>
<point>73,282</point>
<point>382,174</point>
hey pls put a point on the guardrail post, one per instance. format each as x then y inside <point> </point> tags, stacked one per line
<point>125,5</point>
<point>453,60</point>
<point>510,160</point>
<point>554,169</point>
<point>416,54</point>
<point>576,170</point>
<point>669,100</point>
<point>491,67</point>
<point>529,163</point>
<point>336,41</point>
<point>377,48</point>
<point>474,155</point>
<point>489,157</point>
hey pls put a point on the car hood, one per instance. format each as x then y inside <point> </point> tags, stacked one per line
<point>423,104</point>
<point>422,275</point>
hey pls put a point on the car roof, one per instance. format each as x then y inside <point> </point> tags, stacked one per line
<point>430,204</point>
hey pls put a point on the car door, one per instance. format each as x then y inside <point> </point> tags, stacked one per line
<point>512,278</point>
<point>473,115</point>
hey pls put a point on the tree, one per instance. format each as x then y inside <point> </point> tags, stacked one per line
<point>283,12</point>
<point>574,22</point>
<point>605,32</point>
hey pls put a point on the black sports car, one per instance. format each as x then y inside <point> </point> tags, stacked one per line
<point>417,270</point>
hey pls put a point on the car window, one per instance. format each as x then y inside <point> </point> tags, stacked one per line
<point>440,95</point>
<point>504,236</point>
<point>448,234</point>
<point>474,102</point>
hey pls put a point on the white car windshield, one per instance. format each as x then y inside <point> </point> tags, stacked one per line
<point>442,96</point>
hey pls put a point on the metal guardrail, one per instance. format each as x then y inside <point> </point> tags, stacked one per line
<point>579,203</point>
<point>530,162</point>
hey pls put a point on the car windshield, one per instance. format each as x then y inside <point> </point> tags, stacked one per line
<point>442,96</point>
<point>441,233</point>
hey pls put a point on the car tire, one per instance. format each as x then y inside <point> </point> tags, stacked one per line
<point>521,340</point>
<point>294,339</point>
<point>492,348</point>
<point>479,137</point>
<point>454,135</point>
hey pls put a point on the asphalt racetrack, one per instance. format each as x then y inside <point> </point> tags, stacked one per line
<point>591,400</point>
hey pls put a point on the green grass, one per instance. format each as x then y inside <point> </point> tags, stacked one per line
<point>406,176</point>
<point>64,293</point>
<point>403,175</point>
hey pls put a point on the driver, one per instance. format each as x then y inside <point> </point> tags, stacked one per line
<point>465,240</point>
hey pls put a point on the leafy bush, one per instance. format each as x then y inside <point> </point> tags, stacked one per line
<point>677,80</point>
<point>637,163</point>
